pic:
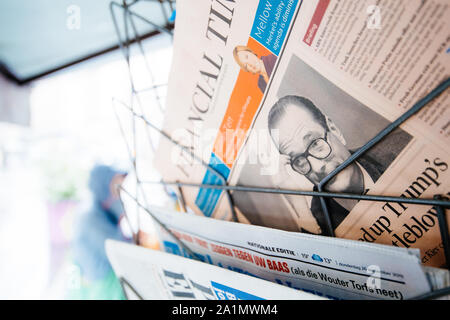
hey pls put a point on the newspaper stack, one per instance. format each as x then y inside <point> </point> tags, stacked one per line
<point>152,275</point>
<point>326,267</point>
<point>278,93</point>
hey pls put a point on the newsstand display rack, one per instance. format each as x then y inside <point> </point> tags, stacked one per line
<point>131,36</point>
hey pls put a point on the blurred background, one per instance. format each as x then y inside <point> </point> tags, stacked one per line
<point>62,78</point>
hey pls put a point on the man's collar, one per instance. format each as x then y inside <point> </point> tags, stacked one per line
<point>367,180</point>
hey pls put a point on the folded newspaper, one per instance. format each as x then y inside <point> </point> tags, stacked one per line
<point>151,275</point>
<point>327,267</point>
<point>278,93</point>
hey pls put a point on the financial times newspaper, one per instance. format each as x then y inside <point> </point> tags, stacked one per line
<point>154,275</point>
<point>278,93</point>
<point>327,267</point>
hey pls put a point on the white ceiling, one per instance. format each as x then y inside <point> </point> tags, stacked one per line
<point>36,35</point>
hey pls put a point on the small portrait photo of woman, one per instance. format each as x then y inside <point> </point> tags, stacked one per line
<point>250,62</point>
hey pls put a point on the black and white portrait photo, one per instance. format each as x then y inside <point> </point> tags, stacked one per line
<point>319,126</point>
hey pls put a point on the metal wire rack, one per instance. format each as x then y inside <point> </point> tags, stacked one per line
<point>130,35</point>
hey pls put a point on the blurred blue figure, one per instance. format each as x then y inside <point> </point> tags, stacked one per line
<point>99,223</point>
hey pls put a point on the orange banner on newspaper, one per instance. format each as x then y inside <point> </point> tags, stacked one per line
<point>242,107</point>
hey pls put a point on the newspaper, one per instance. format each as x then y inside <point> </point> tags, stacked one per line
<point>438,279</point>
<point>153,275</point>
<point>327,267</point>
<point>278,93</point>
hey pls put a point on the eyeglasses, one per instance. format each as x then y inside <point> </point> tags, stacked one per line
<point>318,148</point>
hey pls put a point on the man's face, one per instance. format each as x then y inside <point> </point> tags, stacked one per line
<point>250,61</point>
<point>299,135</point>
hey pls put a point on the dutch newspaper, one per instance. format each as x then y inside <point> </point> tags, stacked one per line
<point>278,93</point>
<point>323,266</point>
<point>153,275</point>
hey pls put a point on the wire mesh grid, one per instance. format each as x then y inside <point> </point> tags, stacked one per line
<point>130,36</point>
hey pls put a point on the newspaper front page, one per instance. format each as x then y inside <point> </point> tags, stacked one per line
<point>278,93</point>
<point>154,275</point>
<point>327,267</point>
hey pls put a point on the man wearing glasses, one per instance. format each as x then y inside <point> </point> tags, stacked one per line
<point>314,146</point>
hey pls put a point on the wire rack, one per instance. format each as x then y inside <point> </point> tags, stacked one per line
<point>130,36</point>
